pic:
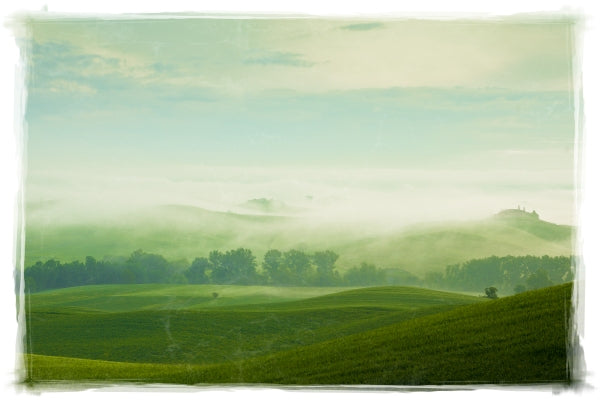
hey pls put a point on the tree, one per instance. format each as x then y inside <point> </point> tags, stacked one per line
<point>197,272</point>
<point>366,275</point>
<point>299,266</point>
<point>324,261</point>
<point>272,266</point>
<point>233,267</point>
<point>241,264</point>
<point>491,292</point>
<point>539,279</point>
<point>148,268</point>
<point>219,274</point>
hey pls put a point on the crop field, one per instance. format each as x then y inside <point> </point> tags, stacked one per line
<point>120,298</point>
<point>382,335</point>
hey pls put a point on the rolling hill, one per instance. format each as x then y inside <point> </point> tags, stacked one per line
<point>173,324</point>
<point>522,339</point>
<point>184,232</point>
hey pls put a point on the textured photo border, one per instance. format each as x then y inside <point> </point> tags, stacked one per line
<point>586,159</point>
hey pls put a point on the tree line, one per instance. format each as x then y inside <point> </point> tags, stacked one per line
<point>510,274</point>
<point>294,268</point>
<point>233,267</point>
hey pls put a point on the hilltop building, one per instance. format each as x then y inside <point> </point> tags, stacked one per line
<point>519,213</point>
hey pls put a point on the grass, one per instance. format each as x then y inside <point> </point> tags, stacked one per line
<point>120,298</point>
<point>205,333</point>
<point>517,339</point>
<point>47,368</point>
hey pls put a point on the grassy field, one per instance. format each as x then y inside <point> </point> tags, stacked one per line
<point>151,323</point>
<point>120,298</point>
<point>388,335</point>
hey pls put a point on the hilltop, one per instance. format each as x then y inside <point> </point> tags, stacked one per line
<point>268,206</point>
<point>430,247</point>
<point>517,213</point>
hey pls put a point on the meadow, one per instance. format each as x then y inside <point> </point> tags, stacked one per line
<point>381,335</point>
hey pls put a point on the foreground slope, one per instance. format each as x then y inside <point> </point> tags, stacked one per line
<point>518,339</point>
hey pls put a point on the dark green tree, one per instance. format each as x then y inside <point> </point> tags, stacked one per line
<point>198,271</point>
<point>148,268</point>
<point>241,265</point>
<point>324,262</point>
<point>491,292</point>
<point>539,279</point>
<point>299,266</point>
<point>365,275</point>
<point>219,273</point>
<point>273,267</point>
<point>233,267</point>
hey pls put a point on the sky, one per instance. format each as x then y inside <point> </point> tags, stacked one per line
<point>411,118</point>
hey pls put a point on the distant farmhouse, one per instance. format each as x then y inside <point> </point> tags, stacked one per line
<point>518,212</point>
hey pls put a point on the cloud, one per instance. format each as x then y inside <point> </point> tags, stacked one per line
<point>363,27</point>
<point>60,67</point>
<point>66,86</point>
<point>241,54</point>
<point>62,60</point>
<point>279,58</point>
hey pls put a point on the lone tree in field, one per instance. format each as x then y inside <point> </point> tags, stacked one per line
<point>491,292</point>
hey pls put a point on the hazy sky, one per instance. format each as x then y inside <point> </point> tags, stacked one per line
<point>435,119</point>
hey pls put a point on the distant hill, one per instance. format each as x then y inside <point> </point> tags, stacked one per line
<point>530,222</point>
<point>420,249</point>
<point>518,213</point>
<point>186,232</point>
<point>268,206</point>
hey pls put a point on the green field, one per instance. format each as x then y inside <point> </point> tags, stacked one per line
<point>152,297</point>
<point>384,335</point>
